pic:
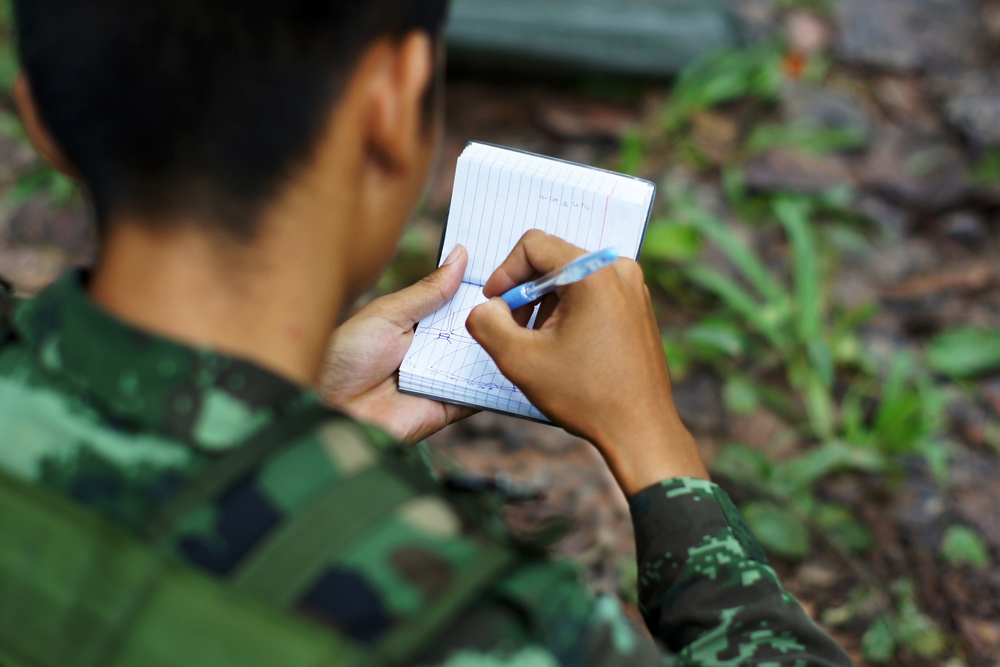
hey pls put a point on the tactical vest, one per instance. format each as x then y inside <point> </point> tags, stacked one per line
<point>77,591</point>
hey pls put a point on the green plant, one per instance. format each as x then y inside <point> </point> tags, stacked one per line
<point>964,352</point>
<point>962,545</point>
<point>906,626</point>
<point>724,76</point>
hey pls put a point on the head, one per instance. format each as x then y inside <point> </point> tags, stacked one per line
<point>232,115</point>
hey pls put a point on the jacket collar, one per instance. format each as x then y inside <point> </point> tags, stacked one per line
<point>143,382</point>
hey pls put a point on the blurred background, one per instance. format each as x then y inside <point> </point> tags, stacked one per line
<point>823,259</point>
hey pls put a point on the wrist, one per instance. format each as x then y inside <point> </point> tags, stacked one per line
<point>641,457</point>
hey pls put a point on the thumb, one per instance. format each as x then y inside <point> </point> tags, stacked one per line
<point>492,325</point>
<point>409,306</point>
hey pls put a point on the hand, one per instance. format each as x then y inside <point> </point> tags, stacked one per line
<point>595,366</point>
<point>367,350</point>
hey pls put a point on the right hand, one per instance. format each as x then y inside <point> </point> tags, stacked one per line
<point>595,366</point>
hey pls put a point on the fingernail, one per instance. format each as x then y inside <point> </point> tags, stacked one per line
<point>453,255</point>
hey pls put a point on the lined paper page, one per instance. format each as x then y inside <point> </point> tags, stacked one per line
<point>499,195</point>
<point>454,365</point>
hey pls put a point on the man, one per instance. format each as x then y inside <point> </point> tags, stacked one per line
<point>251,166</point>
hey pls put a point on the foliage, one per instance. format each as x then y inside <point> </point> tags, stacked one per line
<point>905,626</point>
<point>722,77</point>
<point>965,352</point>
<point>962,545</point>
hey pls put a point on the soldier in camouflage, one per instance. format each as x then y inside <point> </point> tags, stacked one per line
<point>170,396</point>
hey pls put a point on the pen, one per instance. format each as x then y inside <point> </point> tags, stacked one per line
<point>573,272</point>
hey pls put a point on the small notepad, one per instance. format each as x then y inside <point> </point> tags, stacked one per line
<point>499,195</point>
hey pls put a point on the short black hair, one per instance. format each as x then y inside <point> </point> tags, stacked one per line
<point>173,107</point>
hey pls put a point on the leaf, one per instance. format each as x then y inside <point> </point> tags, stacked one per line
<point>962,544</point>
<point>806,138</point>
<point>678,360</point>
<point>633,152</point>
<point>821,359</point>
<point>830,457</point>
<point>718,336</point>
<point>722,76</point>
<point>794,214</point>
<point>879,642</point>
<point>672,242</point>
<point>817,398</point>
<point>778,530</point>
<point>915,628</point>
<point>964,352</point>
<point>745,466</point>
<point>739,254</point>
<point>740,396</point>
<point>739,300</point>
<point>844,529</point>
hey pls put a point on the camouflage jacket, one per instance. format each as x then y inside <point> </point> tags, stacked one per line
<point>120,421</point>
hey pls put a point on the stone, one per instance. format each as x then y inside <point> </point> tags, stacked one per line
<point>584,120</point>
<point>758,18</point>
<point>892,221</point>
<point>915,171</point>
<point>806,33</point>
<point>964,227</point>
<point>699,402</point>
<point>910,35</point>
<point>787,169</point>
<point>904,100</point>
<point>972,104</point>
<point>36,224</point>
<point>824,108</point>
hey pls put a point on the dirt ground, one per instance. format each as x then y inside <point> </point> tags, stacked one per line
<point>920,77</point>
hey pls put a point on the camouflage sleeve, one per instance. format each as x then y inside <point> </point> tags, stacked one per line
<point>706,590</point>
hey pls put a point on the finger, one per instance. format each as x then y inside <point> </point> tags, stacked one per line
<point>493,327</point>
<point>408,306</point>
<point>536,254</point>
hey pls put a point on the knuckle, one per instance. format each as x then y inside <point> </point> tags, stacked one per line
<point>631,272</point>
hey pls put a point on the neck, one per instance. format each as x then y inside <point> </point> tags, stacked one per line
<point>274,303</point>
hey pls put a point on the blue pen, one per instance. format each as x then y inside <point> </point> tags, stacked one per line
<point>573,272</point>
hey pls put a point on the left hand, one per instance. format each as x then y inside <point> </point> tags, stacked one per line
<point>366,351</point>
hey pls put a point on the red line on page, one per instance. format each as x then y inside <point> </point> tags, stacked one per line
<point>607,202</point>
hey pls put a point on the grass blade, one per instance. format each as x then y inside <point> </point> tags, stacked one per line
<point>794,216</point>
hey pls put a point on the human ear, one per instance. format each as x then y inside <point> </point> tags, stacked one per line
<point>37,131</point>
<point>398,136</point>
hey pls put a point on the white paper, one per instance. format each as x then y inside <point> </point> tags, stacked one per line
<point>499,195</point>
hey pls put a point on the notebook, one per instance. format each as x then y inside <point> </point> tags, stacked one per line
<point>499,194</point>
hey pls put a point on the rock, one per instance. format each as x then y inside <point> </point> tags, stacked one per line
<point>892,221</point>
<point>972,104</point>
<point>905,102</point>
<point>584,120</point>
<point>915,171</point>
<point>759,18</point>
<point>964,227</point>
<point>715,135</point>
<point>910,35</point>
<point>824,108</point>
<point>807,33</point>
<point>35,224</point>
<point>975,488</point>
<point>794,171</point>
<point>699,402</point>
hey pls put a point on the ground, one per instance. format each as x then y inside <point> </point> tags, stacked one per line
<point>915,84</point>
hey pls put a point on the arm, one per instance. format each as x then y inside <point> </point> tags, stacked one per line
<point>596,367</point>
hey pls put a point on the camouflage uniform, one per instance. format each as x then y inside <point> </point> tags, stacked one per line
<point>121,422</point>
